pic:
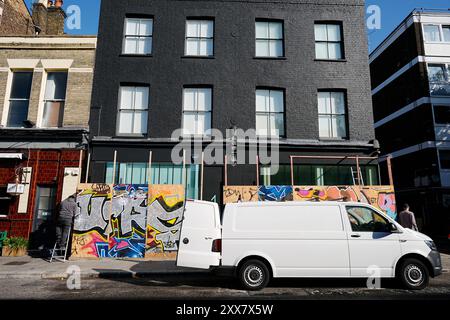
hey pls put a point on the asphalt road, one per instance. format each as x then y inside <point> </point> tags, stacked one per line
<point>209,286</point>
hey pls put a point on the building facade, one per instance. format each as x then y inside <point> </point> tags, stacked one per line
<point>410,74</point>
<point>291,70</point>
<point>45,83</point>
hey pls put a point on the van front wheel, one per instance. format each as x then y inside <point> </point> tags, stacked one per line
<point>254,275</point>
<point>414,274</point>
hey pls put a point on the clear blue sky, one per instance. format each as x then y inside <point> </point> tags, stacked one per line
<point>392,13</point>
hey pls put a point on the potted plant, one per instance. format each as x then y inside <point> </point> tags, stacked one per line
<point>15,247</point>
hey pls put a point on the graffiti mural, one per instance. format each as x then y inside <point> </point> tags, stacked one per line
<point>382,197</point>
<point>275,193</point>
<point>128,221</point>
<point>235,194</point>
<point>90,235</point>
<point>165,210</point>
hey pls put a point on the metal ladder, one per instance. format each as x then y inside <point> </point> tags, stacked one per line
<point>60,254</point>
<point>357,177</point>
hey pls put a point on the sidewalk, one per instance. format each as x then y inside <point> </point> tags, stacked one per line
<point>27,267</point>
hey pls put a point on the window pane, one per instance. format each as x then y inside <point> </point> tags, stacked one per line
<point>201,122</point>
<point>207,29</point>
<point>189,99</point>
<point>126,97</point>
<point>132,26</point>
<point>192,28</point>
<point>444,156</point>
<point>442,114</point>
<point>432,33</point>
<point>275,48</point>
<point>320,31</point>
<point>144,46</point>
<point>206,47</point>
<point>18,113</point>
<point>338,127</point>
<point>203,99</point>
<point>189,123</point>
<point>146,27</point>
<point>324,102</point>
<point>21,85</point>
<point>262,100</point>
<point>192,47</point>
<point>334,51</point>
<point>53,114</point>
<point>262,48</point>
<point>56,86</point>
<point>324,126</point>
<point>436,72</point>
<point>446,31</point>
<point>337,103</point>
<point>276,101</point>
<point>141,98</point>
<point>334,32</point>
<point>262,125</point>
<point>279,124</point>
<point>131,45</point>
<point>321,51</point>
<point>275,30</point>
<point>125,122</point>
<point>262,30</point>
<point>140,122</point>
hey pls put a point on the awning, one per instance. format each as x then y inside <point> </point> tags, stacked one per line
<point>18,156</point>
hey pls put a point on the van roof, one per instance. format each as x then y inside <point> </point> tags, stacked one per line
<point>295,203</point>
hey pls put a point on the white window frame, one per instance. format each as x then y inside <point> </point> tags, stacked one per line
<point>441,32</point>
<point>269,39</point>
<point>199,39</point>
<point>138,36</point>
<point>9,83</point>
<point>42,99</point>
<point>268,114</point>
<point>331,115</point>
<point>341,42</point>
<point>133,110</point>
<point>197,112</point>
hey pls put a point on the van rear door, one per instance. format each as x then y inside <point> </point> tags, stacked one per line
<point>200,229</point>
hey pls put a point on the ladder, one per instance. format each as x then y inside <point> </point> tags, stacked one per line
<point>357,177</point>
<point>60,254</point>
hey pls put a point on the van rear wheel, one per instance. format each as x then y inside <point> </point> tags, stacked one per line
<point>413,274</point>
<point>254,275</point>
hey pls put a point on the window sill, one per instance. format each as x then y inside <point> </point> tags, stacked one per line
<point>334,139</point>
<point>330,60</point>
<point>130,55</point>
<point>131,136</point>
<point>269,58</point>
<point>197,57</point>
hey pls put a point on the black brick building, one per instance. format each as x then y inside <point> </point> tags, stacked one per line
<point>218,64</point>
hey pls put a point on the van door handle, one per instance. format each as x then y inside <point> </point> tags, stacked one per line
<point>208,238</point>
<point>356,236</point>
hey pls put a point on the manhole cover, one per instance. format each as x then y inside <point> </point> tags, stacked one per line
<point>16,263</point>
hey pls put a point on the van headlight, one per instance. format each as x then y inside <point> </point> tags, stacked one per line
<point>431,245</point>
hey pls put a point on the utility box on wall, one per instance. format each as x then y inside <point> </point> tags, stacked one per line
<point>15,189</point>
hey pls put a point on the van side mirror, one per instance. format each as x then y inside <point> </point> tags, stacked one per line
<point>393,228</point>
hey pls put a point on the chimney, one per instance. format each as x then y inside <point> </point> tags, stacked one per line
<point>48,17</point>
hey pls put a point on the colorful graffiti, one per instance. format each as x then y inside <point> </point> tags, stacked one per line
<point>90,235</point>
<point>275,193</point>
<point>235,194</point>
<point>382,197</point>
<point>128,221</point>
<point>164,215</point>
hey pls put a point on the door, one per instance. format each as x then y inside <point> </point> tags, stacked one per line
<point>371,243</point>
<point>43,234</point>
<point>199,229</point>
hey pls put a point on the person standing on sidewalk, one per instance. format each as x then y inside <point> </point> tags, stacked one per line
<point>407,219</point>
<point>66,215</point>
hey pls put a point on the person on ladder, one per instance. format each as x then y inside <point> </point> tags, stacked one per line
<point>64,223</point>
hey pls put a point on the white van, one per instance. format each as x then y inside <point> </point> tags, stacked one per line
<point>264,240</point>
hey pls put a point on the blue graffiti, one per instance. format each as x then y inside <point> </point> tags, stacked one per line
<point>275,193</point>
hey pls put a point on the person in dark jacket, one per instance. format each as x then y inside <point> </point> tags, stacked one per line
<point>407,219</point>
<point>67,212</point>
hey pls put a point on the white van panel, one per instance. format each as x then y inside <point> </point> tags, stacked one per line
<point>300,239</point>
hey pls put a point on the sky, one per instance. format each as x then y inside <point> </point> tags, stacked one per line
<point>392,14</point>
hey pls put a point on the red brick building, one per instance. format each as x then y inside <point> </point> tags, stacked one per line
<point>45,87</point>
